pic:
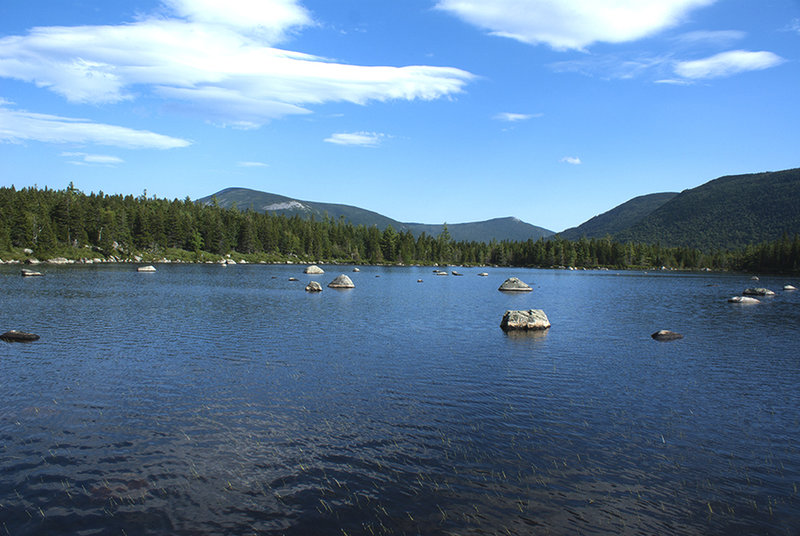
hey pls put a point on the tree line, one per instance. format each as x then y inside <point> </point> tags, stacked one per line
<point>68,223</point>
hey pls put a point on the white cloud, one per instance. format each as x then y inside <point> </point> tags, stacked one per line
<point>574,160</point>
<point>252,164</point>
<point>572,24</point>
<point>514,117</point>
<point>727,64</point>
<point>98,159</point>
<point>363,139</point>
<point>720,38</point>
<point>216,61</point>
<point>269,19</point>
<point>19,126</point>
<point>794,26</point>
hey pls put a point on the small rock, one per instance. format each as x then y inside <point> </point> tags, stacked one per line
<point>744,300</point>
<point>58,260</point>
<point>789,287</point>
<point>754,278</point>
<point>30,273</point>
<point>456,273</point>
<point>419,280</point>
<point>27,251</point>
<point>313,286</point>
<point>18,336</point>
<point>149,268</point>
<point>484,274</point>
<point>514,284</point>
<point>341,281</point>
<point>356,270</point>
<point>314,270</point>
<point>292,279</point>
<point>758,291</point>
<point>666,335</point>
<point>532,319</point>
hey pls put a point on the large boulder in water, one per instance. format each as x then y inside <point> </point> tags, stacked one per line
<point>758,291</point>
<point>341,282</point>
<point>532,319</point>
<point>513,284</point>
<point>314,270</point>
<point>18,336</point>
<point>744,300</point>
<point>666,335</point>
<point>313,286</point>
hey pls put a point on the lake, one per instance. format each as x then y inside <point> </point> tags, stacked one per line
<point>203,400</point>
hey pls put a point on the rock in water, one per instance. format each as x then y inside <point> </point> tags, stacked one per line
<point>532,319</point>
<point>758,291</point>
<point>313,269</point>
<point>666,335</point>
<point>149,268</point>
<point>789,287</point>
<point>341,282</point>
<point>18,336</point>
<point>744,300</point>
<point>30,273</point>
<point>356,270</point>
<point>313,286</point>
<point>514,284</point>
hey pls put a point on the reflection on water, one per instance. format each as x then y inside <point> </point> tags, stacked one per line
<point>198,400</point>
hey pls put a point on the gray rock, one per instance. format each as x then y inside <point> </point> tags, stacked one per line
<point>484,274</point>
<point>532,319</point>
<point>356,270</point>
<point>744,300</point>
<point>18,336</point>
<point>341,282</point>
<point>666,335</point>
<point>758,291</point>
<point>789,287</point>
<point>58,260</point>
<point>314,270</point>
<point>149,268</point>
<point>313,286</point>
<point>27,251</point>
<point>30,273</point>
<point>514,284</point>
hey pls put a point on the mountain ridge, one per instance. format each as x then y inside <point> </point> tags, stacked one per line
<point>507,228</point>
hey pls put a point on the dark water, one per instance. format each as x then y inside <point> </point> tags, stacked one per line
<point>206,400</point>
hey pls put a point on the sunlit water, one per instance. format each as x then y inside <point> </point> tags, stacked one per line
<point>206,400</point>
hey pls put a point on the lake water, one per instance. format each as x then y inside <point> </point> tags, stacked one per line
<point>203,400</point>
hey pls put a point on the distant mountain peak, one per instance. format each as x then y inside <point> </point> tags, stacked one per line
<point>509,228</point>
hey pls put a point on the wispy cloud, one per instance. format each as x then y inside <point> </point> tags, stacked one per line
<point>252,164</point>
<point>574,160</point>
<point>572,24</point>
<point>723,38</point>
<point>93,159</point>
<point>362,139</point>
<point>727,64</point>
<point>794,26</point>
<point>18,126</point>
<point>514,117</point>
<point>216,58</point>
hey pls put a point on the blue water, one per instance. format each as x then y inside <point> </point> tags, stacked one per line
<point>209,400</point>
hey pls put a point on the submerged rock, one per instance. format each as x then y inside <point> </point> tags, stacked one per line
<point>149,268</point>
<point>30,273</point>
<point>514,284</point>
<point>314,270</point>
<point>744,300</point>
<point>341,282</point>
<point>666,335</point>
<point>18,336</point>
<point>532,319</point>
<point>313,286</point>
<point>758,291</point>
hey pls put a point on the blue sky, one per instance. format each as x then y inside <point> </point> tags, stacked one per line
<point>428,111</point>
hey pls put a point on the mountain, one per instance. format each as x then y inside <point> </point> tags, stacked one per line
<point>725,213</point>
<point>620,218</point>
<point>484,231</point>
<point>728,212</point>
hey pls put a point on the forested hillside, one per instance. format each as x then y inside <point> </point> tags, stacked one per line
<point>728,212</point>
<point>76,225</point>
<point>619,218</point>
